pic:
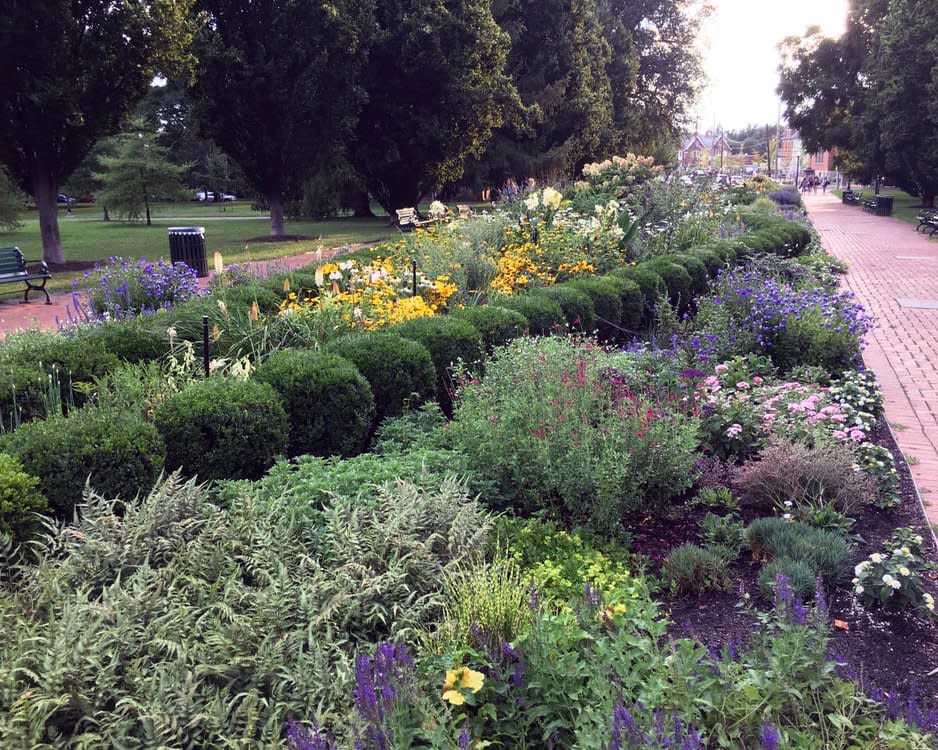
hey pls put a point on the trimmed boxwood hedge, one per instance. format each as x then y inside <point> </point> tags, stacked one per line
<point>578,310</point>
<point>142,339</point>
<point>448,340</point>
<point>630,294</point>
<point>677,280</point>
<point>498,325</point>
<point>607,301</point>
<point>122,454</point>
<point>695,267</point>
<point>400,371</point>
<point>223,428</point>
<point>544,315</point>
<point>650,283</point>
<point>244,295</point>
<point>329,403</point>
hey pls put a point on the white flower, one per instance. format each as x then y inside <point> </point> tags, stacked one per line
<point>171,332</point>
<point>345,265</point>
<point>532,202</point>
<point>876,557</point>
<point>551,198</point>
<point>891,582</point>
<point>904,571</point>
<point>335,276</point>
<point>437,210</point>
<point>929,601</point>
<point>859,589</point>
<point>788,517</point>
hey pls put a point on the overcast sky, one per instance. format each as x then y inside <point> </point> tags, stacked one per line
<point>739,44</point>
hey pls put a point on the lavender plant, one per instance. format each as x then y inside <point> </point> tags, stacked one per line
<point>121,289</point>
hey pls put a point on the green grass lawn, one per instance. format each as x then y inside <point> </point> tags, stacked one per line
<point>229,228</point>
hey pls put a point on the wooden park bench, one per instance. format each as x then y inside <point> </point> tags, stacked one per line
<point>851,198</point>
<point>13,269</point>
<point>463,211</point>
<point>928,221</point>
<point>408,219</point>
<point>870,205</point>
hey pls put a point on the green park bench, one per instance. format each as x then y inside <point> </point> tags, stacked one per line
<point>14,269</point>
<point>928,221</point>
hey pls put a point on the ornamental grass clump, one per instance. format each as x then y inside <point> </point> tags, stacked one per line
<point>121,289</point>
<point>555,430</point>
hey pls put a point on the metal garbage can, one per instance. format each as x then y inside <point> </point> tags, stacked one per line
<point>187,245</point>
<point>884,205</point>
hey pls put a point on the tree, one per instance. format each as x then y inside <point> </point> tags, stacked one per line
<point>278,86</point>
<point>138,174</point>
<point>906,70</point>
<point>74,69</point>
<point>11,201</point>
<point>436,91</point>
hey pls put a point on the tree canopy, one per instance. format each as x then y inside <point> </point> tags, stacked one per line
<point>74,70</point>
<point>278,86</point>
<point>872,93</point>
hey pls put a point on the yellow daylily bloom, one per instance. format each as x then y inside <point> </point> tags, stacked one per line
<point>454,697</point>
<point>471,680</point>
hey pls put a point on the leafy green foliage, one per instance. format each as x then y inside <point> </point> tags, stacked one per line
<point>118,453</point>
<point>268,603</point>
<point>137,340</point>
<point>20,499</point>
<point>543,313</point>
<point>607,302</point>
<point>223,428</point>
<point>578,310</point>
<point>400,371</point>
<point>329,403</point>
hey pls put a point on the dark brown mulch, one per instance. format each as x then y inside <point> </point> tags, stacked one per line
<point>892,652</point>
<point>71,265</point>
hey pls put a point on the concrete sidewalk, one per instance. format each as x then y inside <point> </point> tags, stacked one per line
<point>893,271</point>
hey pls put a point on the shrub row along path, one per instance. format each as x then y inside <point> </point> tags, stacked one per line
<point>893,271</point>
<point>37,315</point>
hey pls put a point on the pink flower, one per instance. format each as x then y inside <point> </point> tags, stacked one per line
<point>839,434</point>
<point>857,435</point>
<point>742,385</point>
<point>721,368</point>
<point>757,380</point>
<point>733,430</point>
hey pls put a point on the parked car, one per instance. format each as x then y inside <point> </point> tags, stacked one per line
<point>63,198</point>
<point>204,195</point>
<point>228,198</point>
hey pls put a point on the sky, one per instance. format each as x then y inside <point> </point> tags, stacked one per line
<point>739,44</point>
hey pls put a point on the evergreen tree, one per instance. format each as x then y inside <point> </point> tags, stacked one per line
<point>138,174</point>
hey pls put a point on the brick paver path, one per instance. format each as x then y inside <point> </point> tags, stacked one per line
<point>893,271</point>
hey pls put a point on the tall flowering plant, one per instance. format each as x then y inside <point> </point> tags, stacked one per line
<point>121,289</point>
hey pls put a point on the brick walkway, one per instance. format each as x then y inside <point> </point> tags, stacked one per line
<point>893,271</point>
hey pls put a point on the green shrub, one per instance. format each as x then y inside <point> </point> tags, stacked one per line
<point>690,569</point>
<point>119,453</point>
<point>449,340</point>
<point>244,295</point>
<point>72,359</point>
<point>711,259</point>
<point>809,339</point>
<point>723,533</point>
<point>632,301</point>
<point>546,426</point>
<point>20,499</point>
<point>650,283</point>
<point>677,280</point>
<point>399,371</point>
<point>695,268</point>
<point>329,403</point>
<point>25,394</point>
<point>825,552</point>
<point>141,339</point>
<point>223,428</point>
<point>577,306</point>
<point>607,302</point>
<point>498,325</point>
<point>544,315</point>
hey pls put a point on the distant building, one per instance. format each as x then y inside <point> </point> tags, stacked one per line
<point>704,151</point>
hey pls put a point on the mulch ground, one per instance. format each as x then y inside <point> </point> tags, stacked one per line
<point>892,652</point>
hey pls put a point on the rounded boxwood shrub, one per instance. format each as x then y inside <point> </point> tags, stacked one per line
<point>449,340</point>
<point>77,359</point>
<point>498,325</point>
<point>576,304</point>
<point>650,283</point>
<point>142,339</point>
<point>544,315</point>
<point>400,371</point>
<point>633,302</point>
<point>20,499</point>
<point>223,428</point>
<point>607,301</point>
<point>330,404</point>
<point>696,268</point>
<point>711,259</point>
<point>122,454</point>
<point>677,280</point>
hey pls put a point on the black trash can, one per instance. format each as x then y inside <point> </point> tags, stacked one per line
<point>884,205</point>
<point>187,245</point>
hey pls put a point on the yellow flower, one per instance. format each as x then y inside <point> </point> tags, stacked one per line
<point>458,680</point>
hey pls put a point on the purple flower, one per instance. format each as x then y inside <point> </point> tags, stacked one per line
<point>307,738</point>
<point>769,737</point>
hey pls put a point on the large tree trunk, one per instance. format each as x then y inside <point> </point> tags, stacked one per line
<point>361,204</point>
<point>928,200</point>
<point>46,192</point>
<point>275,201</point>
